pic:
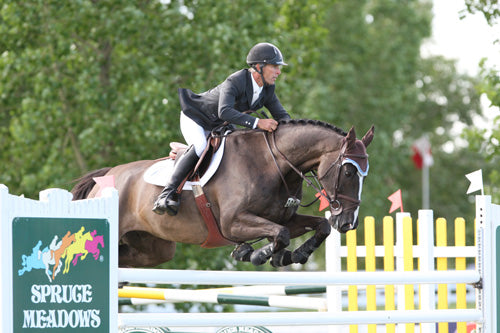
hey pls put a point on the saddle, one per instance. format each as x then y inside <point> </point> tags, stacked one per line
<point>178,148</point>
<point>215,237</point>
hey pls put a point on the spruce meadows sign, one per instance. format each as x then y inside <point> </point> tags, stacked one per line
<point>60,274</point>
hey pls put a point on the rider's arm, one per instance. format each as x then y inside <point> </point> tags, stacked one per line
<point>230,90</point>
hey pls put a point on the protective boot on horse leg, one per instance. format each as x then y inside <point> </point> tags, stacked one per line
<point>169,200</point>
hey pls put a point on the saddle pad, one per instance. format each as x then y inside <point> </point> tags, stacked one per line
<point>160,172</point>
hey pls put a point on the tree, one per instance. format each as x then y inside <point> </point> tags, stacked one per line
<point>89,84</point>
<point>375,75</point>
<point>481,140</point>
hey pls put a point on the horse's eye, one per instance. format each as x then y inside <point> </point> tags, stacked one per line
<point>348,173</point>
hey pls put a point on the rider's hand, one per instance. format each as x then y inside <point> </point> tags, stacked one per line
<point>267,124</point>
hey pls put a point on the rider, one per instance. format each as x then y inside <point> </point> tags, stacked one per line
<point>247,89</point>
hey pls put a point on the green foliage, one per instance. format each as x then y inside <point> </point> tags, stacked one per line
<point>87,84</point>
<point>489,8</point>
<point>487,143</point>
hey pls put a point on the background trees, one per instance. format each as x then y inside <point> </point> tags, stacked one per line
<point>87,84</point>
<point>487,141</point>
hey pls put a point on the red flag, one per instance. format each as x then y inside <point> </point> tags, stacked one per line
<point>422,153</point>
<point>396,200</point>
<point>103,182</point>
<point>323,201</point>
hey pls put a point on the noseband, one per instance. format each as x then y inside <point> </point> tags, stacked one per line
<point>343,158</point>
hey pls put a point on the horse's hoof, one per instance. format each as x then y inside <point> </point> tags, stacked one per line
<point>242,252</point>
<point>281,259</point>
<point>299,257</point>
<point>260,256</point>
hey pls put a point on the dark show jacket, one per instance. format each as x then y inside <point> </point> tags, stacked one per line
<point>227,101</point>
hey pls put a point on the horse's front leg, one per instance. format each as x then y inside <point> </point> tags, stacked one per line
<point>299,225</point>
<point>246,227</point>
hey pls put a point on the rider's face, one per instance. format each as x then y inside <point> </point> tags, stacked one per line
<point>271,73</point>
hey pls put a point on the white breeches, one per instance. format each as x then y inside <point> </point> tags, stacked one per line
<point>194,134</point>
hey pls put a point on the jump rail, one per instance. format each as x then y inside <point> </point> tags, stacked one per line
<point>28,221</point>
<point>171,276</point>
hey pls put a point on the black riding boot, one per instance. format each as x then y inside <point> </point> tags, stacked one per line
<point>168,200</point>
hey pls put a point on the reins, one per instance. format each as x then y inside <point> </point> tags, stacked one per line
<point>334,202</point>
<point>300,173</point>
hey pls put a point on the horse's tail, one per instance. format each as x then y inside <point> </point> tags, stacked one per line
<point>85,183</point>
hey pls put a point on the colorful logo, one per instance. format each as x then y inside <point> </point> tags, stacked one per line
<point>63,253</point>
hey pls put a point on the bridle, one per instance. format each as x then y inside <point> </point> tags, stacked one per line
<point>343,158</point>
<point>334,202</point>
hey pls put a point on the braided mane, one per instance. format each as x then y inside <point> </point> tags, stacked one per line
<point>313,122</point>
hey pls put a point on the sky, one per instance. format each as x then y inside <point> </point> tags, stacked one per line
<point>467,40</point>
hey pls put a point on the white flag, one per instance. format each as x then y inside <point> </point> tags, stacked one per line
<point>476,181</point>
<point>422,155</point>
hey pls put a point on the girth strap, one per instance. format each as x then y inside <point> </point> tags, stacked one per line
<point>214,237</point>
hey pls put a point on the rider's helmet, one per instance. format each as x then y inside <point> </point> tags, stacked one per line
<point>265,53</point>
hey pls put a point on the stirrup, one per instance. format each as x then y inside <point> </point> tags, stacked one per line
<point>167,203</point>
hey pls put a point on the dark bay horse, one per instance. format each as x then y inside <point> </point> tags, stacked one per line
<point>258,175</point>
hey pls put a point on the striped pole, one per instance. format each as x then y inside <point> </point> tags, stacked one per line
<point>213,296</point>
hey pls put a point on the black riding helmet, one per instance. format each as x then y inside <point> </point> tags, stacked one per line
<point>265,53</point>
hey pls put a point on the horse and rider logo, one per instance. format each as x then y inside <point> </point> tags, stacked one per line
<point>63,252</point>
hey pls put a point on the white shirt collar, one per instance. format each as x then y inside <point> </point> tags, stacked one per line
<point>256,89</point>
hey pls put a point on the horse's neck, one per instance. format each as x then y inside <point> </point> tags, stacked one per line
<point>304,147</point>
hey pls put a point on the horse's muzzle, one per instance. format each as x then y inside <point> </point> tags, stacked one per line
<point>343,224</point>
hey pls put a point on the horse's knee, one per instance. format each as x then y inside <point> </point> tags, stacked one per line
<point>324,228</point>
<point>282,240</point>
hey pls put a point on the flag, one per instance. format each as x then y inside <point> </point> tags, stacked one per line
<point>103,182</point>
<point>422,153</point>
<point>396,200</point>
<point>476,181</point>
<point>323,201</point>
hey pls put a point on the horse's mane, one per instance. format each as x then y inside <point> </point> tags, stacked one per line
<point>298,122</point>
<point>313,122</point>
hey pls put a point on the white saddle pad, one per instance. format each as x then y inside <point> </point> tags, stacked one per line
<point>160,172</point>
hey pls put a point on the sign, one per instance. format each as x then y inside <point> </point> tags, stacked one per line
<point>61,274</point>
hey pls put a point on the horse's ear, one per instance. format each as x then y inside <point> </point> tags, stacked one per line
<point>350,138</point>
<point>368,136</point>
<point>351,135</point>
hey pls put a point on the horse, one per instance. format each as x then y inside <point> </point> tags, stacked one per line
<point>92,246</point>
<point>58,253</point>
<point>47,255</point>
<point>77,247</point>
<point>251,195</point>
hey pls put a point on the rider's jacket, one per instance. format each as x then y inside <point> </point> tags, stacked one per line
<point>228,100</point>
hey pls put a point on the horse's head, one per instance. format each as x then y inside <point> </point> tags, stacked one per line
<point>342,177</point>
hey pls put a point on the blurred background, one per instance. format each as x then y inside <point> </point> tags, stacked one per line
<point>93,83</point>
